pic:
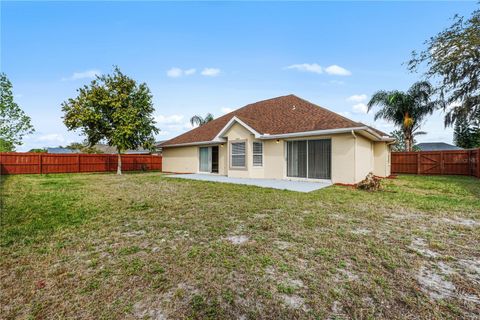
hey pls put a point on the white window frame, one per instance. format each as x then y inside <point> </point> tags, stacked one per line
<point>245,142</point>
<point>257,154</point>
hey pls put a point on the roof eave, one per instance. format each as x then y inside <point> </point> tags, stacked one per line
<point>215,141</point>
<point>311,133</point>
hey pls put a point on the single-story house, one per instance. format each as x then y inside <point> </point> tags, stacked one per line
<point>281,138</point>
<point>436,146</point>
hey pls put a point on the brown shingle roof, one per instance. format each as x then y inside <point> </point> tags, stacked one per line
<point>285,114</point>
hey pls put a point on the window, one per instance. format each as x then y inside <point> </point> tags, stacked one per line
<point>257,154</point>
<point>238,155</point>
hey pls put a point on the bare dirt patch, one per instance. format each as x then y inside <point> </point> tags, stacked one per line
<point>239,239</point>
<point>420,246</point>
<point>294,302</point>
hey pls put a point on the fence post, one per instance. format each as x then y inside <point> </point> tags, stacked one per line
<point>78,162</point>
<point>418,162</point>
<point>40,169</point>
<point>442,165</point>
<point>478,163</point>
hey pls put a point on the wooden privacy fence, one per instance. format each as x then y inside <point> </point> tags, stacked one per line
<point>21,163</point>
<point>460,162</point>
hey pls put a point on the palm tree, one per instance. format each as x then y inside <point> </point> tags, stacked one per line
<point>198,120</point>
<point>406,110</point>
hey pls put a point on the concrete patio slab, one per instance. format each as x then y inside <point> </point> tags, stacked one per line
<point>299,186</point>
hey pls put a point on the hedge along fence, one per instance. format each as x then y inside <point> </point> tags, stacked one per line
<point>458,162</point>
<point>22,163</point>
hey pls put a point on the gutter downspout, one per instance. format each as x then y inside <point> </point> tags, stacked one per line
<point>389,164</point>
<point>354,157</point>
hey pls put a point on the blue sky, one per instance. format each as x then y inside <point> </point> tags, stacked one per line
<point>215,57</point>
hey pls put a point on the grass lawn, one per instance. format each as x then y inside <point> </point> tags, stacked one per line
<point>100,246</point>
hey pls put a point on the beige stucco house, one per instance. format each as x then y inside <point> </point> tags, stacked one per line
<point>281,138</point>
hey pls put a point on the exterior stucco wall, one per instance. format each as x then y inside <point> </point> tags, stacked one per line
<point>381,153</point>
<point>180,159</point>
<point>222,159</point>
<point>275,163</point>
<point>352,157</point>
<point>363,158</point>
<point>343,158</point>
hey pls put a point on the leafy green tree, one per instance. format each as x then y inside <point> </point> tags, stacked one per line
<point>82,147</point>
<point>38,150</point>
<point>466,133</point>
<point>6,146</point>
<point>453,57</point>
<point>406,110</point>
<point>14,123</point>
<point>114,109</point>
<point>198,120</point>
<point>400,143</point>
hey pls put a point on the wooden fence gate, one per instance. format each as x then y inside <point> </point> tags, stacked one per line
<point>458,162</point>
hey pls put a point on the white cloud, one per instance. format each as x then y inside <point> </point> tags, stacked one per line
<point>188,125</point>
<point>306,67</point>
<point>170,119</point>
<point>357,98</point>
<point>89,74</point>
<point>316,68</point>
<point>189,72</point>
<point>175,73</point>
<point>210,72</point>
<point>360,108</point>
<point>337,70</point>
<point>227,110</point>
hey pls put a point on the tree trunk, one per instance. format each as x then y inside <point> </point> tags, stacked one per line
<point>408,140</point>
<point>119,164</point>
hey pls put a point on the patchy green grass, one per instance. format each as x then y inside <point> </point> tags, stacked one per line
<point>147,246</point>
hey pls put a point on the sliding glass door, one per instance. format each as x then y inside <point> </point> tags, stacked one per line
<point>309,159</point>
<point>205,159</point>
<point>297,159</point>
<point>208,159</point>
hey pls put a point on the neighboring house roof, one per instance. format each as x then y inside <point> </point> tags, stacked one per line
<point>436,146</point>
<point>61,150</point>
<point>273,118</point>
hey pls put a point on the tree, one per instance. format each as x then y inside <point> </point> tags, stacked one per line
<point>466,133</point>
<point>6,146</point>
<point>38,150</point>
<point>14,123</point>
<point>453,57</point>
<point>114,109</point>
<point>82,147</point>
<point>198,120</point>
<point>400,143</point>
<point>406,110</point>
